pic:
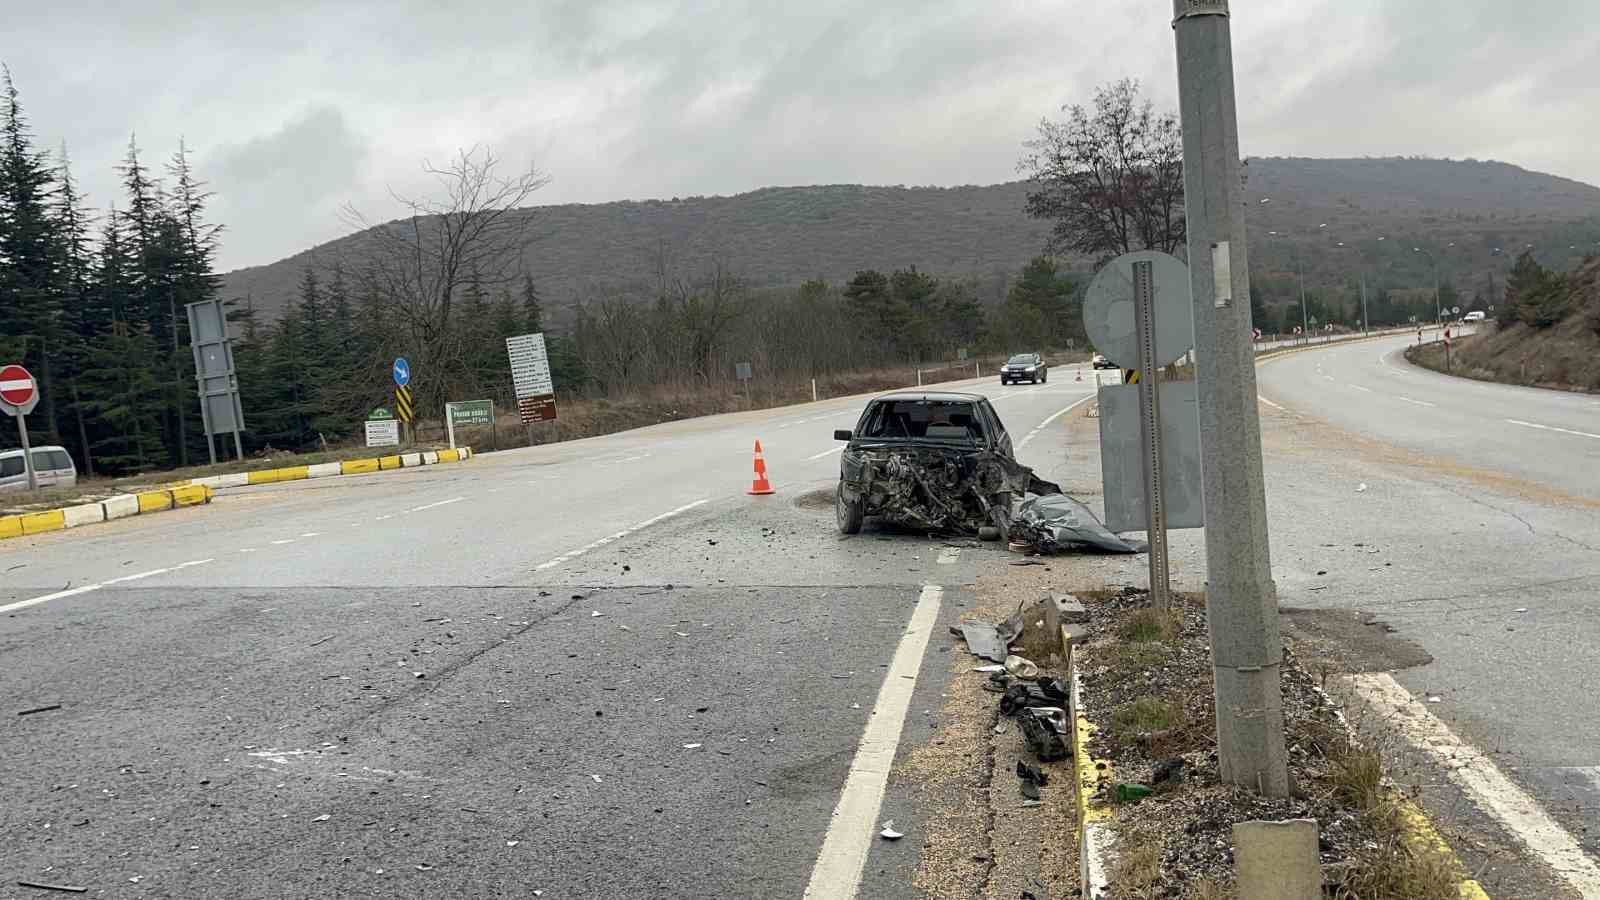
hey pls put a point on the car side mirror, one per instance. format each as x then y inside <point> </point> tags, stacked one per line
<point>841,434</point>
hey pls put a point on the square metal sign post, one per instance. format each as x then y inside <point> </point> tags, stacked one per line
<point>215,376</point>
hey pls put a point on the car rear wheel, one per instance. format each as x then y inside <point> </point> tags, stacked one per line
<point>849,514</point>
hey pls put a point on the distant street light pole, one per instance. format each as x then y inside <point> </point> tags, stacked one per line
<point>1438,313</point>
<point>1241,602</point>
<point>1300,277</point>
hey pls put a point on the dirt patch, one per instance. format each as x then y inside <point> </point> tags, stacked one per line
<point>1349,641</point>
<point>984,838</point>
<point>1147,681</point>
<point>819,500</point>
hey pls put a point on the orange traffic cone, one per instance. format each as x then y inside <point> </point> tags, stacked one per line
<point>760,485</point>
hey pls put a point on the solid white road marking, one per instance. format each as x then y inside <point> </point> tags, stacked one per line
<point>432,505</point>
<point>1052,417</point>
<point>1553,428</point>
<point>838,449</point>
<point>1268,402</point>
<point>1491,790</point>
<point>837,874</point>
<point>58,595</point>
<point>948,555</point>
<point>595,545</point>
<point>1417,402</point>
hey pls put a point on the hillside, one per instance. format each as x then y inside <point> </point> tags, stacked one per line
<point>785,235</point>
<point>1565,355</point>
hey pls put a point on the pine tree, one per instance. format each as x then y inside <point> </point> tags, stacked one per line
<point>30,314</point>
<point>79,325</point>
<point>532,308</point>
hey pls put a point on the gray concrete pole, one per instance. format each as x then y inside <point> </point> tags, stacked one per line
<point>1241,603</point>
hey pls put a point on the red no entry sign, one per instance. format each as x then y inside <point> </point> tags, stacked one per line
<point>17,387</point>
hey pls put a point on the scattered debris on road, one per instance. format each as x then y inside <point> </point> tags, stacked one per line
<point>888,833</point>
<point>1045,729</point>
<point>39,709</point>
<point>322,640</point>
<point>1022,668</point>
<point>990,641</point>
<point>63,888</point>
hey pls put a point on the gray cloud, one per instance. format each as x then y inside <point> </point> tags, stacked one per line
<point>295,108</point>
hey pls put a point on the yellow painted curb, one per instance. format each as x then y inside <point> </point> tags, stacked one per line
<point>10,527</point>
<point>193,495</point>
<point>386,463</point>
<point>39,522</point>
<point>1423,833</point>
<point>154,501</point>
<point>358,466</point>
<point>449,456</point>
<point>294,473</point>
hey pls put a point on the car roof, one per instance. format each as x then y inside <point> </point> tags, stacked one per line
<point>936,396</point>
<point>17,451</point>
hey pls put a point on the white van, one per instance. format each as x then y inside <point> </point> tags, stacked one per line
<point>51,465</point>
<point>1476,315</point>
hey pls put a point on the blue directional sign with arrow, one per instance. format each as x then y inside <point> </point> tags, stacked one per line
<point>402,371</point>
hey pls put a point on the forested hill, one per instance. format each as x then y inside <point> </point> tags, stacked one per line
<point>785,235</point>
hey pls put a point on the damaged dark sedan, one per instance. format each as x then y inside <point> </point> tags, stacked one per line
<point>936,461</point>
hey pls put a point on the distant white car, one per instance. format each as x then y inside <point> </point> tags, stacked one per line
<point>52,467</point>
<point>1476,315</point>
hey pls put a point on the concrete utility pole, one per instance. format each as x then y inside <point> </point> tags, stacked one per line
<point>1241,602</point>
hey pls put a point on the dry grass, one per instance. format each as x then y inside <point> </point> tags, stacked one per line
<point>1206,889</point>
<point>1136,872</point>
<point>1143,626</point>
<point>1145,714</point>
<point>1394,864</point>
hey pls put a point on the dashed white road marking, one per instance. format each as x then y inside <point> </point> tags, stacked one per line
<point>1522,816</point>
<point>383,518</point>
<point>837,875</point>
<point>1362,389</point>
<point>948,555</point>
<point>284,541</point>
<point>617,536</point>
<point>838,449</point>
<point>312,534</point>
<point>84,589</point>
<point>1553,428</point>
<point>1051,418</point>
<point>1269,402</point>
<point>247,549</point>
<point>1417,402</point>
<point>434,505</point>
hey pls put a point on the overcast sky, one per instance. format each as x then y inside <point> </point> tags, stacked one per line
<point>293,108</point>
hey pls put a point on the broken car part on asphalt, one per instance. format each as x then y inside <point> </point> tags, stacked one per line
<point>1045,729</point>
<point>1056,523</point>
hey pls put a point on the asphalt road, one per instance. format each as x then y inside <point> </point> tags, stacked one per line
<point>416,657</point>
<point>594,669</point>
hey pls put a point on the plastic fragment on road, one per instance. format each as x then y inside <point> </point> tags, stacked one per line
<point>1056,523</point>
<point>888,833</point>
<point>596,778</point>
<point>596,614</point>
<point>692,746</point>
<point>993,667</point>
<point>46,886</point>
<point>990,641</point>
<point>1361,488</point>
<point>1045,729</point>
<point>1022,667</point>
<point>322,818</point>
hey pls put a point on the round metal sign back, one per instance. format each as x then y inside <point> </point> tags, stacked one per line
<point>1108,309</point>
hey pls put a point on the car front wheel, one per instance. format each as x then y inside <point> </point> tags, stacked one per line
<point>848,513</point>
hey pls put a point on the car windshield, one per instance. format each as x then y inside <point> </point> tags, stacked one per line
<point>937,420</point>
<point>1022,359</point>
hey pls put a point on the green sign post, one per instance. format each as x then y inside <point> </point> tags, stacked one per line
<point>474,413</point>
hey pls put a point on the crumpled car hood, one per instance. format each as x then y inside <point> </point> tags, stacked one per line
<point>938,488</point>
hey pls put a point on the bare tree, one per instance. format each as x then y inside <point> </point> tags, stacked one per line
<point>474,231</point>
<point>1112,179</point>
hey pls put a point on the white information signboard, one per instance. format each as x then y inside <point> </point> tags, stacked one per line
<point>530,375</point>
<point>383,429</point>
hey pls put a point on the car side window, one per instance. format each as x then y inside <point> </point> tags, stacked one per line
<point>11,465</point>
